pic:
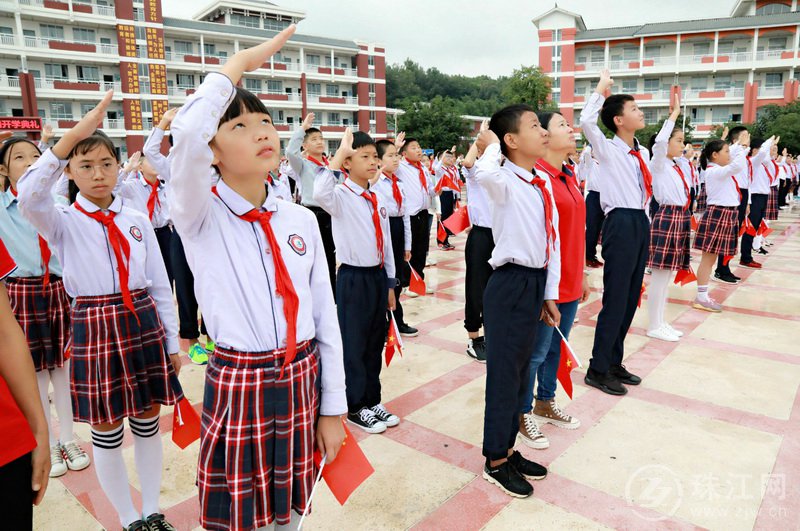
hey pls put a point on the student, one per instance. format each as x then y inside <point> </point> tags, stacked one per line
<point>523,287</point>
<point>573,287</point>
<point>759,198</point>
<point>419,187</point>
<point>279,185</point>
<point>773,171</point>
<point>124,361</point>
<point>625,189</point>
<point>305,167</point>
<point>41,306</point>
<point>188,328</point>
<point>275,382</point>
<point>723,272</point>
<point>785,178</point>
<point>477,253</point>
<point>595,216</point>
<point>448,187</point>
<point>392,196</point>
<point>718,231</point>
<point>24,461</point>
<point>671,228</point>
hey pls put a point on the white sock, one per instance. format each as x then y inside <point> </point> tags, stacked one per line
<point>110,469</point>
<point>657,296</point>
<point>43,381</point>
<point>702,293</point>
<point>149,455</point>
<point>63,402</point>
<point>293,524</point>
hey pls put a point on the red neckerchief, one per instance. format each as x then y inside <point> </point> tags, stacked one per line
<point>647,177</point>
<point>152,199</point>
<point>324,162</point>
<point>735,182</point>
<point>547,204</point>
<point>685,186</point>
<point>376,220</point>
<point>44,250</point>
<point>423,181</point>
<point>398,196</point>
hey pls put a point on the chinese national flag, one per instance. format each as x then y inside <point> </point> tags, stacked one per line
<point>416,283</point>
<point>348,471</point>
<point>763,229</point>
<point>747,227</point>
<point>185,424</point>
<point>441,234</point>
<point>685,276</point>
<point>565,366</point>
<point>393,341</point>
<point>458,220</point>
<point>693,222</point>
<point>641,293</point>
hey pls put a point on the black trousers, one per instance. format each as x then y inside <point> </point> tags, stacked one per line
<point>16,496</point>
<point>722,268</point>
<point>326,231</point>
<point>512,304</point>
<point>401,268</point>
<point>692,198</point>
<point>626,239</point>
<point>758,208</point>
<point>448,202</point>
<point>594,223</point>
<point>420,239</point>
<point>783,191</point>
<point>477,253</point>
<point>164,237</point>
<point>184,291</point>
<point>361,299</point>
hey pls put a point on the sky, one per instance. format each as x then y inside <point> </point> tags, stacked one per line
<point>469,37</point>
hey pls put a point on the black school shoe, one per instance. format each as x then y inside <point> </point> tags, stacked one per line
<point>508,479</point>
<point>763,251</point>
<point>476,349</point>
<point>138,525</point>
<point>727,278</point>
<point>622,374</point>
<point>607,382</point>
<point>407,331</point>
<point>157,522</point>
<point>526,467</point>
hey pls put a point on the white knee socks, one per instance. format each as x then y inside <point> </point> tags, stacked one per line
<point>657,296</point>
<point>63,402</point>
<point>149,455</point>
<point>110,469</point>
<point>43,381</point>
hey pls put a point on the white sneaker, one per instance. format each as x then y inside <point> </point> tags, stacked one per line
<point>410,294</point>
<point>74,455</point>
<point>429,290</point>
<point>58,467</point>
<point>672,330</point>
<point>431,261</point>
<point>390,419</point>
<point>530,433</point>
<point>662,334</point>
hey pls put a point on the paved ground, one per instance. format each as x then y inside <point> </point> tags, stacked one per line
<point>711,439</point>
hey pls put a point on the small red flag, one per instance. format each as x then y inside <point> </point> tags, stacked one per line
<point>565,366</point>
<point>458,220</point>
<point>685,276</point>
<point>185,424</point>
<point>416,283</point>
<point>641,293</point>
<point>748,227</point>
<point>393,341</point>
<point>441,234</point>
<point>727,260</point>
<point>348,471</point>
<point>693,222</point>
<point>763,229</point>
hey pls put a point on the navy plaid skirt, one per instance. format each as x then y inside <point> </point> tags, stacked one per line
<point>120,368</point>
<point>257,437</point>
<point>718,232</point>
<point>702,198</point>
<point>669,239</point>
<point>772,205</point>
<point>43,313</point>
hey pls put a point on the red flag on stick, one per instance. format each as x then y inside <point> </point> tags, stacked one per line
<point>747,227</point>
<point>567,362</point>
<point>393,341</point>
<point>441,234</point>
<point>685,276</point>
<point>727,260</point>
<point>348,471</point>
<point>458,220</point>
<point>763,229</point>
<point>185,424</point>
<point>693,223</point>
<point>416,283</point>
<point>641,293</point>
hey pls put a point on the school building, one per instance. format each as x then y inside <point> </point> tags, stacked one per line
<point>57,58</point>
<point>727,68</point>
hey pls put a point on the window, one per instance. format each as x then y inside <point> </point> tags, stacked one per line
<point>722,83</point>
<point>147,106</point>
<point>313,59</point>
<point>61,110</point>
<point>50,31</point>
<point>652,85</point>
<point>253,85</point>
<point>209,49</point>
<point>702,48</point>
<point>699,83</point>
<point>725,48</point>
<point>720,115</point>
<point>183,48</point>
<point>88,73</point>
<point>140,32</point>
<point>105,40</point>
<point>557,35</point>
<point>650,116</point>
<point>143,70</point>
<point>275,25</point>
<point>83,35</point>
<point>248,21</point>
<point>371,60</point>
<point>138,14</point>
<point>371,116</point>
<point>629,53</point>
<point>774,80</point>
<point>332,91</point>
<point>629,86</point>
<point>597,56</point>
<point>777,43</point>
<point>185,81</point>
<point>736,117</point>
<point>555,82</point>
<point>772,9</point>
<point>315,89</point>
<point>556,97</point>
<point>652,52</point>
<point>274,85</point>
<point>56,71</point>
<point>334,118</point>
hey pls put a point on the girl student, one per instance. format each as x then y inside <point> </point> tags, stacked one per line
<point>718,231</point>
<point>41,305</point>
<point>124,332</point>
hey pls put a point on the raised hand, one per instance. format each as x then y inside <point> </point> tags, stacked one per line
<point>724,133</point>
<point>486,137</point>
<point>133,162</point>
<point>166,119</point>
<point>47,133</point>
<point>308,121</point>
<point>676,106</point>
<point>252,58</point>
<point>345,150</point>
<point>605,83</point>
<point>400,141</point>
<point>84,128</point>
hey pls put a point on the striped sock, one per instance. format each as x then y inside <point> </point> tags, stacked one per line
<point>149,456</point>
<point>110,469</point>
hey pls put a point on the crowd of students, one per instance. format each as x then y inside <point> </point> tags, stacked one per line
<point>298,267</point>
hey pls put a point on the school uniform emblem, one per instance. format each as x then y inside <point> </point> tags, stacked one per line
<point>297,244</point>
<point>136,232</point>
<point>383,212</point>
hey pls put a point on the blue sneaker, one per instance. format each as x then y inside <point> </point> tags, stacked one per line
<point>198,354</point>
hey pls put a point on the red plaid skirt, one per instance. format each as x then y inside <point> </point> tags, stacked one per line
<point>43,313</point>
<point>669,239</point>
<point>702,198</point>
<point>772,205</point>
<point>718,232</point>
<point>120,368</point>
<point>257,437</point>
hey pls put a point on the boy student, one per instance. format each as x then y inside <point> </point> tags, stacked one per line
<point>366,278</point>
<point>305,167</point>
<point>419,187</point>
<point>448,186</point>
<point>723,272</point>
<point>275,382</point>
<point>759,196</point>
<point>523,287</point>
<point>625,190</point>
<point>587,168</point>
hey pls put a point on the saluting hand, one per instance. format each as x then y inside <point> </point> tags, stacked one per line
<point>84,128</point>
<point>252,58</point>
<point>308,121</point>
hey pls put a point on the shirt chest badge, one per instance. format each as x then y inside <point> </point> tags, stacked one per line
<point>383,212</point>
<point>298,244</point>
<point>136,232</point>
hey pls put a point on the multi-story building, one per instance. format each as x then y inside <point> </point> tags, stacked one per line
<point>57,57</point>
<point>727,68</point>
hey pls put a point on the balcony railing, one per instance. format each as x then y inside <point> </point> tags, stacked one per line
<point>77,7</point>
<point>770,91</point>
<point>113,124</point>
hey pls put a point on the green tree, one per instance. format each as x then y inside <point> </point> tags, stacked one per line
<point>644,135</point>
<point>436,124</point>
<point>717,131</point>
<point>783,121</point>
<point>528,85</point>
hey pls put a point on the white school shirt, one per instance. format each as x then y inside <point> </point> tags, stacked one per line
<point>152,152</point>
<point>22,239</point>
<point>518,219</point>
<point>418,196</point>
<point>280,187</point>
<point>761,184</point>
<point>720,180</point>
<point>686,168</point>
<point>668,186</point>
<point>774,172</point>
<point>352,225</point>
<point>135,191</point>
<point>383,187</point>
<point>478,207</point>
<point>81,243</point>
<point>235,285</point>
<point>622,183</point>
<point>303,168</point>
